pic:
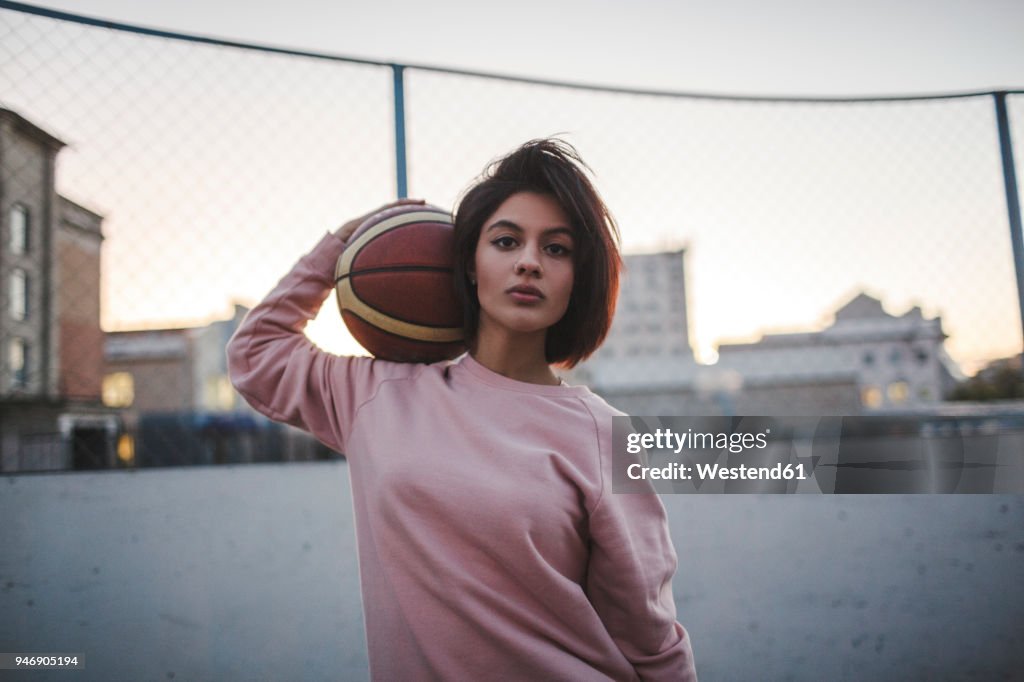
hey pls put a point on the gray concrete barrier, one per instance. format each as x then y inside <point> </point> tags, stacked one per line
<point>249,573</point>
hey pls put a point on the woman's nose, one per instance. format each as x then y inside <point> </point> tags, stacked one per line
<point>528,263</point>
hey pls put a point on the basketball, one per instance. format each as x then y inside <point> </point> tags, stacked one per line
<point>395,285</point>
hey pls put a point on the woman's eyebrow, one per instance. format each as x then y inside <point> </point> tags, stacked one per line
<point>508,224</point>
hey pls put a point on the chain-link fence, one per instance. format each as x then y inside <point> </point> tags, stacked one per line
<point>784,256</point>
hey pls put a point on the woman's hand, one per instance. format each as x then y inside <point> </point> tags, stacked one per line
<point>346,230</point>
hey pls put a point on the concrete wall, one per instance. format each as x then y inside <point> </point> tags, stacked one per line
<point>249,572</point>
<point>825,397</point>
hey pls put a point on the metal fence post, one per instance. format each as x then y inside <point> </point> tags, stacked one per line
<point>1012,199</point>
<point>400,167</point>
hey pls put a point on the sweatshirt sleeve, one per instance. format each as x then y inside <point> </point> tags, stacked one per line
<point>629,581</point>
<point>283,375</point>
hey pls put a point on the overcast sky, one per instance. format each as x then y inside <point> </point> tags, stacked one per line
<point>785,47</point>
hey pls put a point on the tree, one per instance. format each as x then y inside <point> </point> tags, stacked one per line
<point>1001,379</point>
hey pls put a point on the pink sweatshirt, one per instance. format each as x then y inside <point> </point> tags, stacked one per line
<point>490,543</point>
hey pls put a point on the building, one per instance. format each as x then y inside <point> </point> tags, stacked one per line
<point>178,404</point>
<point>648,346</point>
<point>51,357</point>
<point>80,336</point>
<point>148,371</point>
<point>888,361</point>
<point>866,360</point>
<point>169,370</point>
<point>646,365</point>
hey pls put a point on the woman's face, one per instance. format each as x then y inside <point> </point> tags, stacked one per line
<point>524,265</point>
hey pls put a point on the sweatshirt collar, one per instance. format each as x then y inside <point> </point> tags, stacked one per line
<point>492,378</point>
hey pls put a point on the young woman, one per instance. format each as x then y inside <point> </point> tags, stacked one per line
<point>491,545</point>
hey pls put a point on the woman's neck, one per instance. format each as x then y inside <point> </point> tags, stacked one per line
<point>520,358</point>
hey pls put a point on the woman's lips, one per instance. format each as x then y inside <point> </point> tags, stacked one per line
<point>525,294</point>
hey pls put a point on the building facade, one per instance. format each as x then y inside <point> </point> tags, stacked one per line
<point>648,346</point>
<point>51,414</point>
<point>866,360</point>
<point>178,404</point>
<point>891,361</point>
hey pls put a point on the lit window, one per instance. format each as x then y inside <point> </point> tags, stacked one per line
<point>19,294</point>
<point>118,389</point>
<point>898,391</point>
<point>126,448</point>
<point>19,229</point>
<point>17,360</point>
<point>871,396</point>
<point>220,395</point>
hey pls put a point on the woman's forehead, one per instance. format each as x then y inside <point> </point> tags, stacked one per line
<point>529,211</point>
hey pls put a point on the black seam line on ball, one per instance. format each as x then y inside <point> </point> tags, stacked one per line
<point>395,268</point>
<point>444,220</point>
<point>405,338</point>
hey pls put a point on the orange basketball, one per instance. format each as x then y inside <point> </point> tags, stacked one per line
<point>395,285</point>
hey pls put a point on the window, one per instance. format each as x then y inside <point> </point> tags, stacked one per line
<point>19,294</point>
<point>898,391</point>
<point>921,354</point>
<point>118,389</point>
<point>895,356</point>
<point>126,448</point>
<point>869,358</point>
<point>17,360</point>
<point>871,396</point>
<point>19,229</point>
<point>220,395</point>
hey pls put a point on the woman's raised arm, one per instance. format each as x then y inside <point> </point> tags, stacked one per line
<point>282,374</point>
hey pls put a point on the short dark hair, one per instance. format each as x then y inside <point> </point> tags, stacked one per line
<point>552,167</point>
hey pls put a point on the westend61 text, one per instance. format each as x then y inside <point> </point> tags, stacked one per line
<point>710,472</point>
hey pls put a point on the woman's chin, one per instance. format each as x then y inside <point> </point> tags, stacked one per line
<point>521,327</point>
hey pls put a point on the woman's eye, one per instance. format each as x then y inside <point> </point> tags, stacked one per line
<point>558,250</point>
<point>504,242</point>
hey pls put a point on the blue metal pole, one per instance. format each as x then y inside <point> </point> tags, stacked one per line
<point>400,167</point>
<point>1012,199</point>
